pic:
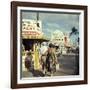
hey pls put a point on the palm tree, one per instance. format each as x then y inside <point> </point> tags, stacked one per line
<point>74,31</point>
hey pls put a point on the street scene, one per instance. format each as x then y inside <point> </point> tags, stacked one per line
<point>66,67</point>
<point>50,44</point>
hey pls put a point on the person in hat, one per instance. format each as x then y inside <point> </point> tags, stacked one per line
<point>51,59</point>
<point>43,54</point>
<point>28,60</point>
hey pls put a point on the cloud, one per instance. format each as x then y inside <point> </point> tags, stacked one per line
<point>58,21</point>
<point>28,15</point>
<point>54,21</point>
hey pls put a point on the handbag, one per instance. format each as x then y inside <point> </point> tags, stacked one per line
<point>57,67</point>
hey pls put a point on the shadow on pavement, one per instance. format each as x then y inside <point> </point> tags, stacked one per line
<point>37,73</point>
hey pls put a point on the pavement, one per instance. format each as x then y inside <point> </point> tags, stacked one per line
<point>69,65</point>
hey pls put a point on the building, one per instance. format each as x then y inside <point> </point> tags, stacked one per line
<point>32,37</point>
<point>62,40</point>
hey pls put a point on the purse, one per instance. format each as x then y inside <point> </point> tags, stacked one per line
<point>57,67</point>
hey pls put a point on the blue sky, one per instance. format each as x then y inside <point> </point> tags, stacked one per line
<point>55,21</point>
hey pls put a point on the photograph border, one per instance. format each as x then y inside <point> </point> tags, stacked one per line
<point>14,5</point>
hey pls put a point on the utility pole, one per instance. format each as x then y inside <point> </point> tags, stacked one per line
<point>37,16</point>
<point>38,19</point>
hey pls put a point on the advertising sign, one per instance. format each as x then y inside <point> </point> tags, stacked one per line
<point>31,28</point>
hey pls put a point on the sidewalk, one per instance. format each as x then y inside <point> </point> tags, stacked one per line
<point>37,73</point>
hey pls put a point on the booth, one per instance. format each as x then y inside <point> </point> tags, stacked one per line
<point>32,37</point>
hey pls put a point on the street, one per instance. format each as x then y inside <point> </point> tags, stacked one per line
<point>69,65</point>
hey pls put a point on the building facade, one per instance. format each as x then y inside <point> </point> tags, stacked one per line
<point>60,39</point>
<point>32,36</point>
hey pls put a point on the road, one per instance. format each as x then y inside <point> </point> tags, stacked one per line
<point>69,65</point>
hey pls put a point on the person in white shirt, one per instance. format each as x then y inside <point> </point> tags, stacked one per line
<point>43,54</point>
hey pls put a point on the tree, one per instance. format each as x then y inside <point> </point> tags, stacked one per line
<point>74,31</point>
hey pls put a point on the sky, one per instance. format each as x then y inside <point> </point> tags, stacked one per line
<point>52,21</point>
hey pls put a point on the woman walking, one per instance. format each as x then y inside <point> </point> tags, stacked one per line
<point>28,61</point>
<point>51,59</point>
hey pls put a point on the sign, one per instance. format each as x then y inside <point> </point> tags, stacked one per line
<point>31,29</point>
<point>30,33</point>
<point>31,25</point>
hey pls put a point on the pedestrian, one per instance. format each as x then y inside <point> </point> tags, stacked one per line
<point>54,59</point>
<point>51,59</point>
<point>28,61</point>
<point>43,54</point>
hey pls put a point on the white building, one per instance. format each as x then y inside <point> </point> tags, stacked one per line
<point>60,39</point>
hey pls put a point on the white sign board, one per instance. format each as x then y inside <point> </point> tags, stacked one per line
<point>31,25</point>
